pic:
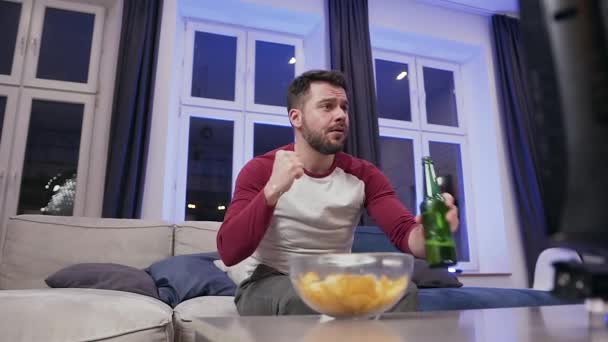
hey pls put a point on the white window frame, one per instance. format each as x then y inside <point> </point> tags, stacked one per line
<point>188,112</point>
<point>239,94</point>
<point>473,264</point>
<point>7,128</point>
<point>20,43</point>
<point>33,49</point>
<point>455,69</point>
<point>416,138</point>
<point>420,132</point>
<point>254,118</point>
<point>252,37</point>
<point>20,141</point>
<point>413,74</point>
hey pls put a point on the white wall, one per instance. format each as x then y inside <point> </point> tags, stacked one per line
<point>408,26</point>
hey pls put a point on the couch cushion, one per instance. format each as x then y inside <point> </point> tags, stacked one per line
<point>104,276</point>
<point>186,313</point>
<point>207,306</point>
<point>196,237</point>
<point>83,315</point>
<point>182,277</point>
<point>36,246</point>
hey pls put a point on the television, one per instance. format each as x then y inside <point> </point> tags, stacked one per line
<point>566,56</point>
<point>565,45</point>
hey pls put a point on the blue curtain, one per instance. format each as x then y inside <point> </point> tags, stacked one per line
<point>517,117</point>
<point>351,53</point>
<point>132,110</point>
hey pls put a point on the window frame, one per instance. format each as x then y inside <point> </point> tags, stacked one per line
<point>252,37</point>
<point>20,144</point>
<point>413,74</point>
<point>460,109</point>
<point>461,141</point>
<point>187,112</point>
<point>33,49</point>
<point>14,77</point>
<point>242,112</point>
<point>416,138</point>
<point>7,128</point>
<point>421,133</point>
<point>239,93</point>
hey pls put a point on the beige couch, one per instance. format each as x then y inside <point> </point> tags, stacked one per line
<point>33,247</point>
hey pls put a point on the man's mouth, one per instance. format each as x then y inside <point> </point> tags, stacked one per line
<point>337,130</point>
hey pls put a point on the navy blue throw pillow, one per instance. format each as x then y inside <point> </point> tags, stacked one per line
<point>106,276</point>
<point>182,277</point>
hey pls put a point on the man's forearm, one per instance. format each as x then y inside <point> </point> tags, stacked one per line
<point>416,241</point>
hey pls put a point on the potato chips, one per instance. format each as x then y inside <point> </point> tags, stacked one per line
<point>350,294</point>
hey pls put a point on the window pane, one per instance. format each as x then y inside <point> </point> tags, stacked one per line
<point>2,113</point>
<point>440,97</point>
<point>448,167</point>
<point>397,162</point>
<point>274,70</point>
<point>65,46</point>
<point>214,66</point>
<point>393,90</point>
<point>49,182</point>
<point>269,137</point>
<point>10,13</point>
<point>209,183</point>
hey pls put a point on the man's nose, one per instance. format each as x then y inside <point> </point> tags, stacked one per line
<point>341,114</point>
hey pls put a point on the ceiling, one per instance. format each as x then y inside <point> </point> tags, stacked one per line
<point>484,7</point>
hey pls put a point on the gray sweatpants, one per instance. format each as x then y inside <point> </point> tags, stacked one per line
<point>269,292</point>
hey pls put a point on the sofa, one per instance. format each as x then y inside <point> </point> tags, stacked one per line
<point>32,247</point>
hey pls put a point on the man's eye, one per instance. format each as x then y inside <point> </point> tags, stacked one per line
<point>327,106</point>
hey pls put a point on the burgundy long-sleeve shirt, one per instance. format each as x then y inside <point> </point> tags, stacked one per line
<point>317,215</point>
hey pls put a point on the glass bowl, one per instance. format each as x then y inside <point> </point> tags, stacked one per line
<point>351,285</point>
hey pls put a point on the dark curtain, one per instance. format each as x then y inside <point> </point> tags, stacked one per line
<point>518,119</point>
<point>132,109</point>
<point>351,53</point>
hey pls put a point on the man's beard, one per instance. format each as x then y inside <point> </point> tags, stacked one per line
<point>319,143</point>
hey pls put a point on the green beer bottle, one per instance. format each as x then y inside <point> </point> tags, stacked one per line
<point>440,248</point>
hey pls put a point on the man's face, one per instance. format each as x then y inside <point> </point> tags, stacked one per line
<point>325,118</point>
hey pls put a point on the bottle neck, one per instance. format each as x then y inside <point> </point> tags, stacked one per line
<point>431,188</point>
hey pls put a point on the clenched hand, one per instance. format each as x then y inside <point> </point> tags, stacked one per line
<point>286,169</point>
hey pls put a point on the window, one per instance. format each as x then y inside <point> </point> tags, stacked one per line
<point>64,46</point>
<point>54,104</point>
<point>266,133</point>
<point>420,114</point>
<point>269,137</point>
<point>51,158</point>
<point>13,35</point>
<point>210,152</point>
<point>214,66</point>
<point>275,63</point>
<point>211,163</point>
<point>233,107</point>
<point>398,153</point>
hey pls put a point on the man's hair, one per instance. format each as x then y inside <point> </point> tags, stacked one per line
<point>300,86</point>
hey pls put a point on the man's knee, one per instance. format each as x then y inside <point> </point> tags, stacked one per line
<point>270,296</point>
<point>291,304</point>
<point>409,302</point>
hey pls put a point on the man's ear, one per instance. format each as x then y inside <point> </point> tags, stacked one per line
<point>295,117</point>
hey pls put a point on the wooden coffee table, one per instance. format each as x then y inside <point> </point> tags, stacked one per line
<point>569,323</point>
